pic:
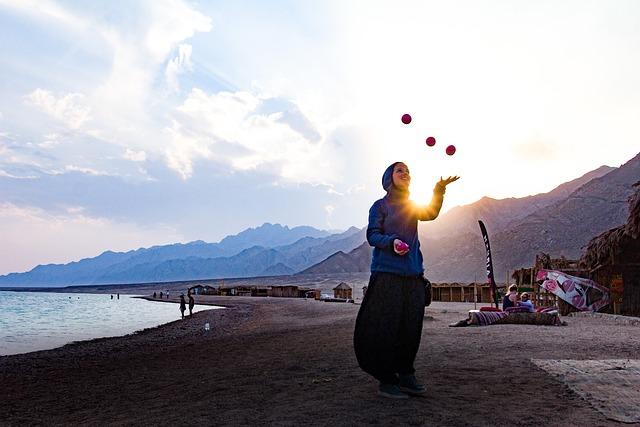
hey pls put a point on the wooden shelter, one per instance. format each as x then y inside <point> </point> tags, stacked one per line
<point>613,260</point>
<point>343,291</point>
<point>313,293</point>
<point>461,292</point>
<point>196,290</point>
<point>241,291</point>
<point>202,290</point>
<point>290,291</point>
<point>259,291</point>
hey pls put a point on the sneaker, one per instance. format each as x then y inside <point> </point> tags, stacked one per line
<point>391,391</point>
<point>409,384</point>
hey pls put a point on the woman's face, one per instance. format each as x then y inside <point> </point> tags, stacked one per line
<point>401,176</point>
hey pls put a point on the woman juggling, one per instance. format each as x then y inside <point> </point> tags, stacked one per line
<point>389,323</point>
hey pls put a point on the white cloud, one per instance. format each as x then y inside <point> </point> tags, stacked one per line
<point>329,209</point>
<point>75,209</point>
<point>47,9</point>
<point>32,236</point>
<point>229,127</point>
<point>120,96</point>
<point>184,150</point>
<point>135,156</point>
<point>88,171</point>
<point>9,175</point>
<point>70,108</point>
<point>139,54</point>
<point>171,22</point>
<point>178,65</point>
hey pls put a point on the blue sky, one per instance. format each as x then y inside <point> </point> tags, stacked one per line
<point>129,124</point>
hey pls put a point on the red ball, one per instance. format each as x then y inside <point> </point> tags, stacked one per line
<point>431,141</point>
<point>451,150</point>
<point>406,119</point>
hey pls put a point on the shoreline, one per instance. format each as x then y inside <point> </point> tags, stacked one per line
<point>82,340</point>
<point>324,281</point>
<point>265,356</point>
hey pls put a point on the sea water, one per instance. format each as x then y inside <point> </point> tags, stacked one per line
<point>31,321</point>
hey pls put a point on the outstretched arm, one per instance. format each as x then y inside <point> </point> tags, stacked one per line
<point>432,210</point>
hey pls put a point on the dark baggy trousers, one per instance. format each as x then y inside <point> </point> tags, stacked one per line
<point>389,326</point>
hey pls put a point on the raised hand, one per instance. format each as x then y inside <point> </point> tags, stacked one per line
<point>445,182</point>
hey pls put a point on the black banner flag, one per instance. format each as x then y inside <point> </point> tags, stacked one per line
<point>490,279</point>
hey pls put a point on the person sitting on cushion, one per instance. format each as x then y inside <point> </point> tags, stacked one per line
<point>526,302</point>
<point>511,298</point>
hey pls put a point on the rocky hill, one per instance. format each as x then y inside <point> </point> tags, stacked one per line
<point>560,222</point>
<point>356,261</point>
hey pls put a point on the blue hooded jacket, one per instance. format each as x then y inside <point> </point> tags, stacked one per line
<point>396,217</point>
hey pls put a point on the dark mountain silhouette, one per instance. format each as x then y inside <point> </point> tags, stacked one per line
<point>560,222</point>
<point>568,225</point>
<point>356,261</point>
<point>501,214</point>
<point>562,228</point>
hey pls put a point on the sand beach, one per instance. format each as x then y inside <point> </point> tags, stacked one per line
<point>290,362</point>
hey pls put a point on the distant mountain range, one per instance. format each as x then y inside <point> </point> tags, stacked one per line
<point>560,222</point>
<point>271,249</point>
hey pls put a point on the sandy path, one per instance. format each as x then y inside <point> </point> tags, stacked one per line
<point>290,362</point>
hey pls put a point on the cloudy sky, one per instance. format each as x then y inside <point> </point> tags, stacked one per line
<point>126,124</point>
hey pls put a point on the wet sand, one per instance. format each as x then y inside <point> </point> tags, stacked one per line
<point>280,361</point>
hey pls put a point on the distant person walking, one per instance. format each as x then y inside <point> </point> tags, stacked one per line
<point>183,305</point>
<point>160,294</point>
<point>154,295</point>
<point>389,323</point>
<point>111,296</point>
<point>192,302</point>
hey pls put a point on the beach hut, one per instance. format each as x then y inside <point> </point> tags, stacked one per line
<point>224,291</point>
<point>259,291</point>
<point>202,290</point>
<point>313,293</point>
<point>448,292</point>
<point>305,292</point>
<point>209,290</point>
<point>196,290</point>
<point>343,291</point>
<point>288,291</point>
<point>460,292</point>
<point>241,291</point>
<point>613,260</point>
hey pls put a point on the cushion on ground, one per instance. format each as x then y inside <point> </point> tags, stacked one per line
<point>484,318</point>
